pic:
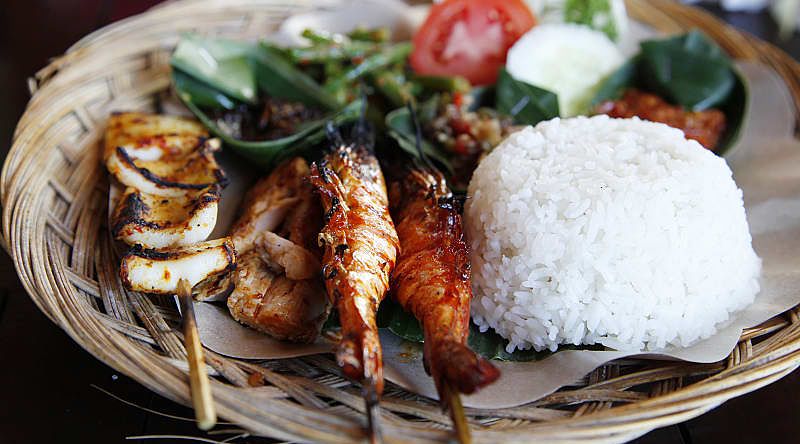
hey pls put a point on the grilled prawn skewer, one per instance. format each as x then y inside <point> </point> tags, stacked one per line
<point>432,280</point>
<point>361,246</point>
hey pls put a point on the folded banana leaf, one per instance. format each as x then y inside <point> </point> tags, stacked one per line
<point>214,74</point>
<point>527,104</point>
<point>488,344</point>
<point>688,70</point>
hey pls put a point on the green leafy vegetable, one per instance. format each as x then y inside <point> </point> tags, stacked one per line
<point>689,70</point>
<point>597,14</point>
<point>526,103</point>
<point>449,84</point>
<point>400,127</point>
<point>279,78</point>
<point>380,60</point>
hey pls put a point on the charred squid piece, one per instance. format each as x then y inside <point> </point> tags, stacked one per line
<point>277,288</point>
<point>160,221</point>
<point>158,271</point>
<point>161,155</point>
<point>361,246</point>
<point>152,136</point>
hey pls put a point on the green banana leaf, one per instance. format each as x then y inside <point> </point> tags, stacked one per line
<point>223,64</point>
<point>488,344</point>
<point>265,154</point>
<point>689,70</point>
<point>527,104</point>
<point>279,78</point>
<point>222,74</point>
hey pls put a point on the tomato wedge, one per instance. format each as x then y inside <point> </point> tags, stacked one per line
<point>469,38</point>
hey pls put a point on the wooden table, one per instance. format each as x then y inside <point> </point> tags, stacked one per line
<point>54,391</point>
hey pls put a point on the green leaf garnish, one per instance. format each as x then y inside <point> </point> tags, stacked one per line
<point>527,104</point>
<point>689,70</point>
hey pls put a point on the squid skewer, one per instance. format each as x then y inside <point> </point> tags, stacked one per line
<point>361,246</point>
<point>432,281</point>
<point>167,210</point>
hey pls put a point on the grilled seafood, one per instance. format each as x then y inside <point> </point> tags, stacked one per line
<point>277,285</point>
<point>361,246</point>
<point>159,221</point>
<point>158,271</point>
<point>169,203</point>
<point>161,155</point>
<point>268,301</point>
<point>432,280</point>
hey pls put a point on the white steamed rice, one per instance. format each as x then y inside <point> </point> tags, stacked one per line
<point>611,231</point>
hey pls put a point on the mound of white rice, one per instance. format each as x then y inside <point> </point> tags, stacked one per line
<point>612,231</point>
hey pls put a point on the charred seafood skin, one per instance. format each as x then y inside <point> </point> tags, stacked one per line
<point>360,247</point>
<point>158,271</point>
<point>161,221</point>
<point>277,285</point>
<point>432,279</point>
<point>161,155</point>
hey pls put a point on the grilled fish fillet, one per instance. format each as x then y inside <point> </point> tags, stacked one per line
<point>268,301</point>
<point>267,204</point>
<point>360,249</point>
<point>161,155</point>
<point>158,271</point>
<point>160,221</point>
<point>277,285</point>
<point>432,279</point>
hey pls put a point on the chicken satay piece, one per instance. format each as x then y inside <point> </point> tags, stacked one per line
<point>432,280</point>
<point>160,221</point>
<point>361,246</point>
<point>277,287</point>
<point>161,155</point>
<point>158,271</point>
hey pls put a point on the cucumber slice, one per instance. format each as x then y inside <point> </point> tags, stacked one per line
<point>567,59</point>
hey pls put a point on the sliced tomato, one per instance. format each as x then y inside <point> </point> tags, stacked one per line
<point>469,38</point>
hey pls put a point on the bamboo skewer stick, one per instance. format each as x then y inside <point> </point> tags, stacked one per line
<point>373,414</point>
<point>460,424</point>
<point>202,401</point>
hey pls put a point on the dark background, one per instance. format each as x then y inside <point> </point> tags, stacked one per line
<point>48,381</point>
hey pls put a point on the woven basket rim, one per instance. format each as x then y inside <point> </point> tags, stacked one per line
<point>56,260</point>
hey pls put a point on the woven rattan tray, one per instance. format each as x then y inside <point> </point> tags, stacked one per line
<point>54,204</point>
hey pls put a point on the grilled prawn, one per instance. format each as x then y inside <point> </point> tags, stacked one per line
<point>361,246</point>
<point>432,280</point>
